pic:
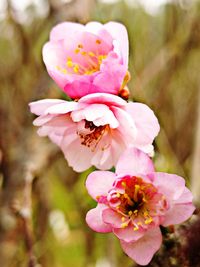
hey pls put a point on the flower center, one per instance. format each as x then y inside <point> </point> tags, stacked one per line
<point>92,138</point>
<point>88,63</point>
<point>137,202</point>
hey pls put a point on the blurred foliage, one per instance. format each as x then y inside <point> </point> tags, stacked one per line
<point>43,202</point>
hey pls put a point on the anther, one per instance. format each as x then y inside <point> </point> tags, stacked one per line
<point>123,184</point>
<point>69,64</point>
<point>130,213</point>
<point>124,225</point>
<point>98,41</point>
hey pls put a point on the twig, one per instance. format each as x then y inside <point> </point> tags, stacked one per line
<point>24,214</point>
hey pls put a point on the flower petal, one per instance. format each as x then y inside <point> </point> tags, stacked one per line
<point>143,249</point>
<point>98,183</point>
<point>78,156</point>
<point>61,108</point>
<point>119,33</point>
<point>134,161</point>
<point>178,214</point>
<point>170,185</point>
<point>64,30</point>
<point>94,220</point>
<point>128,234</point>
<point>185,197</point>
<point>39,107</point>
<point>112,218</point>
<point>103,98</point>
<point>145,121</point>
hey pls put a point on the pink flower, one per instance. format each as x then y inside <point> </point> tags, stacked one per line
<point>135,201</point>
<point>96,129</point>
<point>88,59</point>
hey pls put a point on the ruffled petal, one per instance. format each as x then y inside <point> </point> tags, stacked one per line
<point>142,250</point>
<point>78,156</point>
<point>94,220</point>
<point>98,183</point>
<point>64,30</point>
<point>103,98</point>
<point>127,234</point>
<point>134,161</point>
<point>39,107</point>
<point>178,214</point>
<point>145,121</point>
<point>170,185</point>
<point>112,218</point>
<point>119,34</point>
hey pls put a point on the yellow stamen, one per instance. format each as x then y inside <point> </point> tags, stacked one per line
<point>123,219</point>
<point>135,197</point>
<point>130,202</point>
<point>123,184</point>
<point>91,54</point>
<point>69,64</point>
<point>80,46</point>
<point>76,68</point>
<point>144,200</point>
<point>146,214</point>
<point>148,221</point>
<point>64,71</point>
<point>130,213</point>
<point>124,225</point>
<point>76,51</point>
<point>98,41</point>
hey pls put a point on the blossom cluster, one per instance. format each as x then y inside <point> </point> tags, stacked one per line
<point>100,127</point>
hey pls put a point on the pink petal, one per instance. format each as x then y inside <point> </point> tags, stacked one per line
<point>178,214</point>
<point>103,98</point>
<point>170,185</point>
<point>185,197</point>
<point>142,250</point>
<point>93,27</point>
<point>64,30</point>
<point>127,126</point>
<point>119,33</point>
<point>111,75</point>
<point>134,161</point>
<point>98,183</point>
<point>117,146</point>
<point>99,30</point>
<point>78,156</point>
<point>94,220</point>
<point>39,121</point>
<point>112,218</point>
<point>146,123</point>
<point>62,108</point>
<point>99,114</point>
<point>79,87</point>
<point>127,234</point>
<point>102,158</point>
<point>39,107</point>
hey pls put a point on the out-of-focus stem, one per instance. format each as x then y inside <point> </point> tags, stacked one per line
<point>25,213</point>
<point>195,181</point>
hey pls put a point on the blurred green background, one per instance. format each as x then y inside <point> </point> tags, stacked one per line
<point>42,201</point>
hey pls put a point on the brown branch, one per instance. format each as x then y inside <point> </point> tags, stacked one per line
<point>24,213</point>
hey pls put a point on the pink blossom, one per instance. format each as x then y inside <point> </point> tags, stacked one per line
<point>96,129</point>
<point>135,201</point>
<point>88,59</point>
